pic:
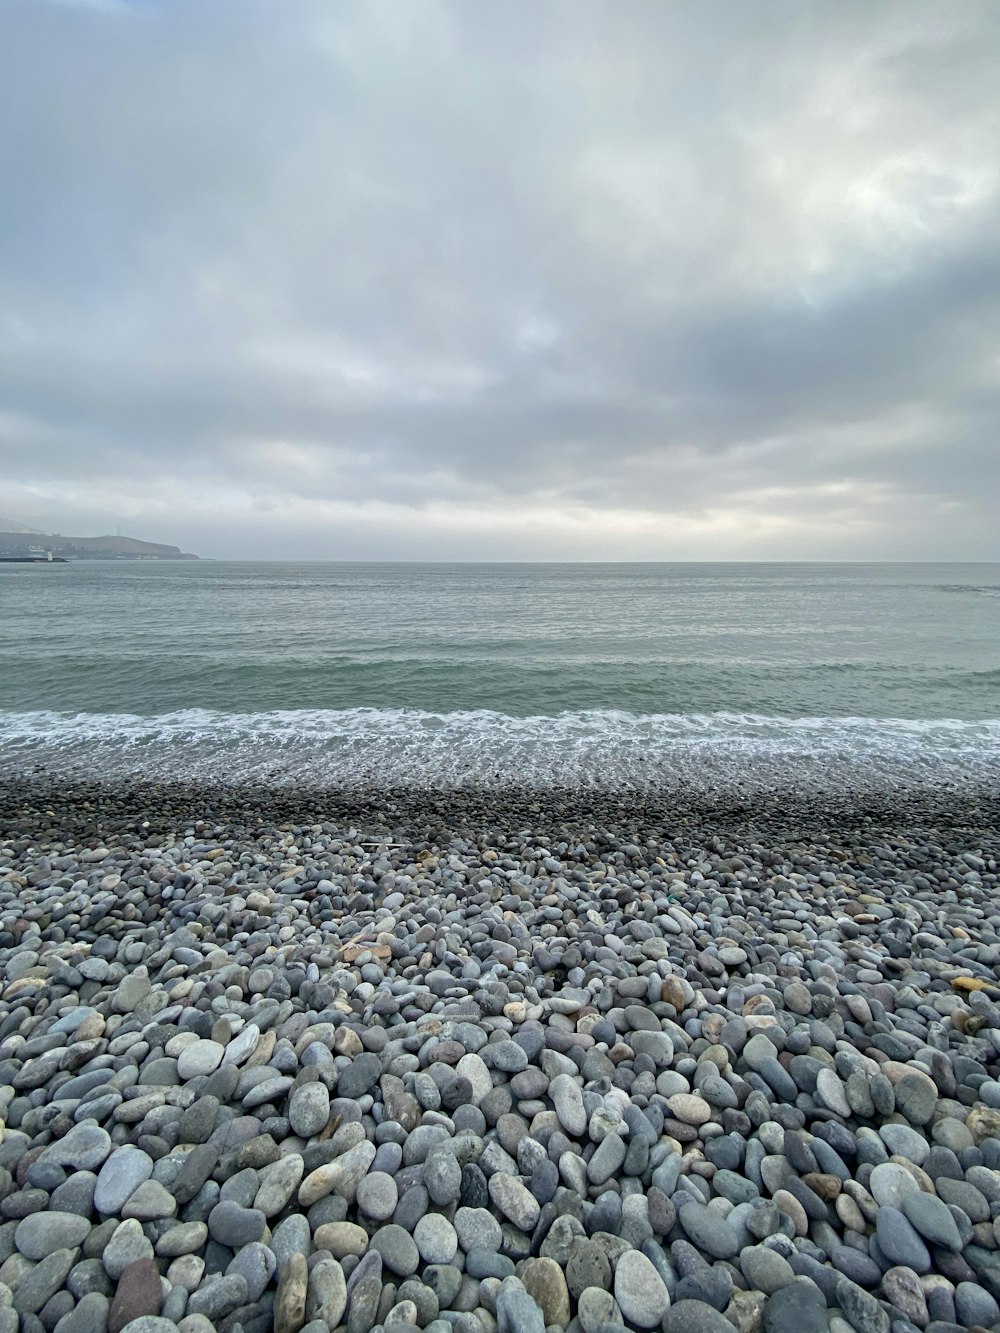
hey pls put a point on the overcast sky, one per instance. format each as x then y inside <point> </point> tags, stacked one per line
<point>560,279</point>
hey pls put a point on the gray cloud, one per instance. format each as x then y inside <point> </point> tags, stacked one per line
<point>583,280</point>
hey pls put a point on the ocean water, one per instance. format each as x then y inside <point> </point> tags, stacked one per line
<point>625,674</point>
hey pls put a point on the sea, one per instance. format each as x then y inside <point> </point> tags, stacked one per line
<point>442,675</point>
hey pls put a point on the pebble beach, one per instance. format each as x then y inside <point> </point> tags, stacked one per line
<point>497,1061</point>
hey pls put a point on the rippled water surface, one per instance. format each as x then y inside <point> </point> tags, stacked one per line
<point>445,673</point>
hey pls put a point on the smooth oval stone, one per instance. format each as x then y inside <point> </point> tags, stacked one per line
<point>690,1316</point>
<point>932,1218</point>
<point>798,1308</point>
<point>515,1201</point>
<point>903,1141</point>
<point>710,1232</point>
<point>84,1148</point>
<point>139,1294</point>
<point>200,1058</point>
<point>900,1242</point>
<point>119,1178</point>
<point>568,1102</point>
<point>398,1249</point>
<point>309,1109</point>
<point>377,1196</point>
<point>640,1291</point>
<point>765,1269</point>
<point>41,1233</point>
<point>890,1184</point>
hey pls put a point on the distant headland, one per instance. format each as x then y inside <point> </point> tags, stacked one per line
<point>16,539</point>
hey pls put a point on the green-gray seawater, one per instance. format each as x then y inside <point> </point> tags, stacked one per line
<point>435,673</point>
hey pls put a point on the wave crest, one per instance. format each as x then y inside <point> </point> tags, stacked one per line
<point>973,589</point>
<point>411,747</point>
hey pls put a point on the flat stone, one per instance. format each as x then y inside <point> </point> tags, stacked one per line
<point>343,1174</point>
<point>44,1280</point>
<point>270,1091</point>
<point>84,1148</point>
<point>218,1296</point>
<point>127,1244</point>
<point>659,1046</point>
<point>797,998</point>
<point>185,1238</point>
<point>975,1306</point>
<point>378,1195</point>
<point>197,1167</point>
<point>398,1249</point>
<point>198,1121</point>
<point>972,1201</point>
<point>916,1098</point>
<point>327,1299</point>
<point>713,1286</point>
<point>278,1182</point>
<point>597,1308</point>
<point>150,1203</point>
<point>256,1264</point>
<point>832,1093</point>
<point>359,1076</point>
<point>515,1201</point>
<point>567,1099</point>
<point>862,1310</point>
<point>478,1229</point>
<point>41,1233</point>
<point>903,1141</point>
<point>364,1293</point>
<point>900,1242</point>
<point>342,1239</point>
<point>765,1269</point>
<point>903,1288</point>
<point>890,1184</point>
<point>139,1293</point>
<point>200,1058</point>
<point>544,1282</point>
<point>309,1109</point>
<point>436,1239</point>
<point>798,1308</point>
<point>639,1290</point>
<point>119,1178</point>
<point>689,1109</point>
<point>90,1315</point>
<point>932,1218</point>
<point>186,1272</point>
<point>442,1176</point>
<point>688,1316</point>
<point>516,1311</point>
<point>231,1224</point>
<point>708,1230</point>
<point>130,993</point>
<point>487,1263</point>
<point>607,1160</point>
<point>242,1046</point>
<point>758,1049</point>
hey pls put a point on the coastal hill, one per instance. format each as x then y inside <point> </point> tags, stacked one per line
<point>11,525</point>
<point>17,539</point>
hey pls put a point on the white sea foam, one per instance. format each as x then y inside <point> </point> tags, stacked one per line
<point>419,748</point>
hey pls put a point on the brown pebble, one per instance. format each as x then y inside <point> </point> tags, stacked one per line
<point>139,1293</point>
<point>290,1301</point>
<point>21,1174</point>
<point>822,1183</point>
<point>746,1311</point>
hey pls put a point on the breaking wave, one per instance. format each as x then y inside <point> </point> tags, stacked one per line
<point>973,589</point>
<point>419,748</point>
